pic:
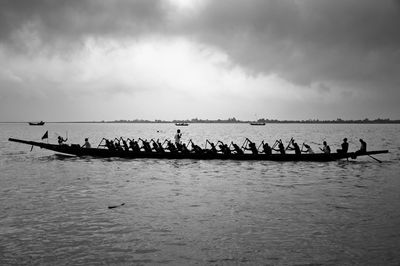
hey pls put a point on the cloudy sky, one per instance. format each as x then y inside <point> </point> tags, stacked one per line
<point>180,59</point>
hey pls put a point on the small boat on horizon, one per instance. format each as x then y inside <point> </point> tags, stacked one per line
<point>181,124</point>
<point>257,123</point>
<point>41,123</point>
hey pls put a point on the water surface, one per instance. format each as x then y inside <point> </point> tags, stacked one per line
<point>185,212</point>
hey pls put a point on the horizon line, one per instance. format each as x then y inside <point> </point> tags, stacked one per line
<point>230,120</point>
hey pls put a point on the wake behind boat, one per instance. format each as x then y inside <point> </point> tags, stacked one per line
<point>198,154</point>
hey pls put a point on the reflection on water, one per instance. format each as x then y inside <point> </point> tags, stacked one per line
<point>55,207</point>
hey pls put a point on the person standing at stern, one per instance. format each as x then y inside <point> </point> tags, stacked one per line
<point>178,137</point>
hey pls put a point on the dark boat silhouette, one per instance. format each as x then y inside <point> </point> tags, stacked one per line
<point>41,123</point>
<point>75,149</point>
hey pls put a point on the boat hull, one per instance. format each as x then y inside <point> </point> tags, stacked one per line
<point>36,124</point>
<point>106,153</point>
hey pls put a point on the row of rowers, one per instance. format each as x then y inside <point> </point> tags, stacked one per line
<point>141,145</point>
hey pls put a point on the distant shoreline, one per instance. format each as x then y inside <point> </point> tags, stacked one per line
<point>227,121</point>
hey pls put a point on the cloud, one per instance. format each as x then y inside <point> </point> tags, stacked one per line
<point>345,41</point>
<point>349,42</point>
<point>321,49</point>
<point>323,89</point>
<point>37,24</point>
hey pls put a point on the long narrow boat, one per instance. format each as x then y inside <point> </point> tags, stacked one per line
<point>75,149</point>
<point>41,123</point>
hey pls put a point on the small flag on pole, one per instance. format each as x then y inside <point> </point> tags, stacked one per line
<point>46,135</point>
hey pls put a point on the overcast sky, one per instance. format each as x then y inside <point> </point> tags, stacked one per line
<point>181,59</point>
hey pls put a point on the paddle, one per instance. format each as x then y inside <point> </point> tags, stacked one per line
<point>276,142</point>
<point>290,142</point>
<point>190,142</point>
<point>245,143</point>
<point>379,161</point>
<point>116,206</point>
<point>207,142</point>
<point>261,144</point>
<point>100,143</point>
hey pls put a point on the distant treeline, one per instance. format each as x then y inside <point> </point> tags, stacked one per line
<point>264,120</point>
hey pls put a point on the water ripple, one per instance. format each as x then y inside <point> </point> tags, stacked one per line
<point>185,212</point>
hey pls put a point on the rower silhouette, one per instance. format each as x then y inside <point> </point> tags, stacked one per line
<point>345,147</point>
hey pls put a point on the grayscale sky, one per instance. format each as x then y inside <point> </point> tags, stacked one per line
<point>181,59</point>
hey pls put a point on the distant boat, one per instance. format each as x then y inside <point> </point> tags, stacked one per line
<point>257,123</point>
<point>41,123</point>
<point>181,124</point>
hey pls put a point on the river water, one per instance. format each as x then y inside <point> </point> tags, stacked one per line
<point>54,208</point>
